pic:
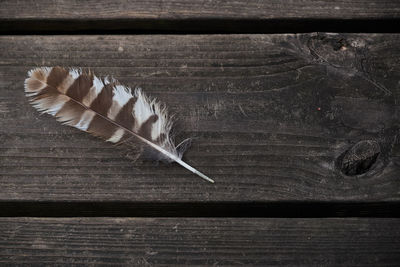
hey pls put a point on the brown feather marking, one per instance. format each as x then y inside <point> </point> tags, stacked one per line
<point>80,87</point>
<point>34,85</point>
<point>37,81</point>
<point>145,129</point>
<point>90,96</point>
<point>52,101</point>
<point>71,111</point>
<point>54,79</point>
<point>103,101</point>
<point>160,139</point>
<point>39,74</point>
<point>125,116</point>
<point>113,110</point>
<point>101,127</point>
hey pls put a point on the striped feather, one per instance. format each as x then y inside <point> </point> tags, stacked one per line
<point>105,108</point>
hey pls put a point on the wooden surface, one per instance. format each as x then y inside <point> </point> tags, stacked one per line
<point>205,16</point>
<point>208,242</point>
<point>299,131</point>
<point>178,9</point>
<point>270,115</point>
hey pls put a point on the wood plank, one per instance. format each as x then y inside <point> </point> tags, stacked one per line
<point>205,16</point>
<point>220,242</point>
<point>310,117</point>
<point>204,9</point>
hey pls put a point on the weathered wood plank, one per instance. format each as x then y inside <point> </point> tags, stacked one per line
<point>272,117</point>
<point>220,242</point>
<point>204,9</point>
<point>205,16</point>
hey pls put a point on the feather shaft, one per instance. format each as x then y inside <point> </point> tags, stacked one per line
<point>106,109</point>
<point>158,148</point>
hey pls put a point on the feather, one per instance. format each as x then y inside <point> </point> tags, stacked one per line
<point>107,109</point>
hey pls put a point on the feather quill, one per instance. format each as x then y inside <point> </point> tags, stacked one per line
<point>107,109</point>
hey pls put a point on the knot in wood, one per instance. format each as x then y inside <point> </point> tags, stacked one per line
<point>359,158</point>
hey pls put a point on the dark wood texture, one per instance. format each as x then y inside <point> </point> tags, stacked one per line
<point>188,16</point>
<point>272,117</point>
<point>301,127</point>
<point>189,9</point>
<point>208,242</point>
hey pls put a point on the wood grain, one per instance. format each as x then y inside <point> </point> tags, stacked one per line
<point>204,9</point>
<point>206,242</point>
<point>270,116</point>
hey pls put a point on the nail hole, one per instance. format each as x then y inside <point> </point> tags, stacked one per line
<point>359,159</point>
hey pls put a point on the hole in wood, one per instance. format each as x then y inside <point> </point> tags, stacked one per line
<point>359,159</point>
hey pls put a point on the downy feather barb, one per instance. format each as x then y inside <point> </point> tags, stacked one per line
<point>105,108</point>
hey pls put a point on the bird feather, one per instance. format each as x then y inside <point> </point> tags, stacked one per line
<point>107,109</point>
